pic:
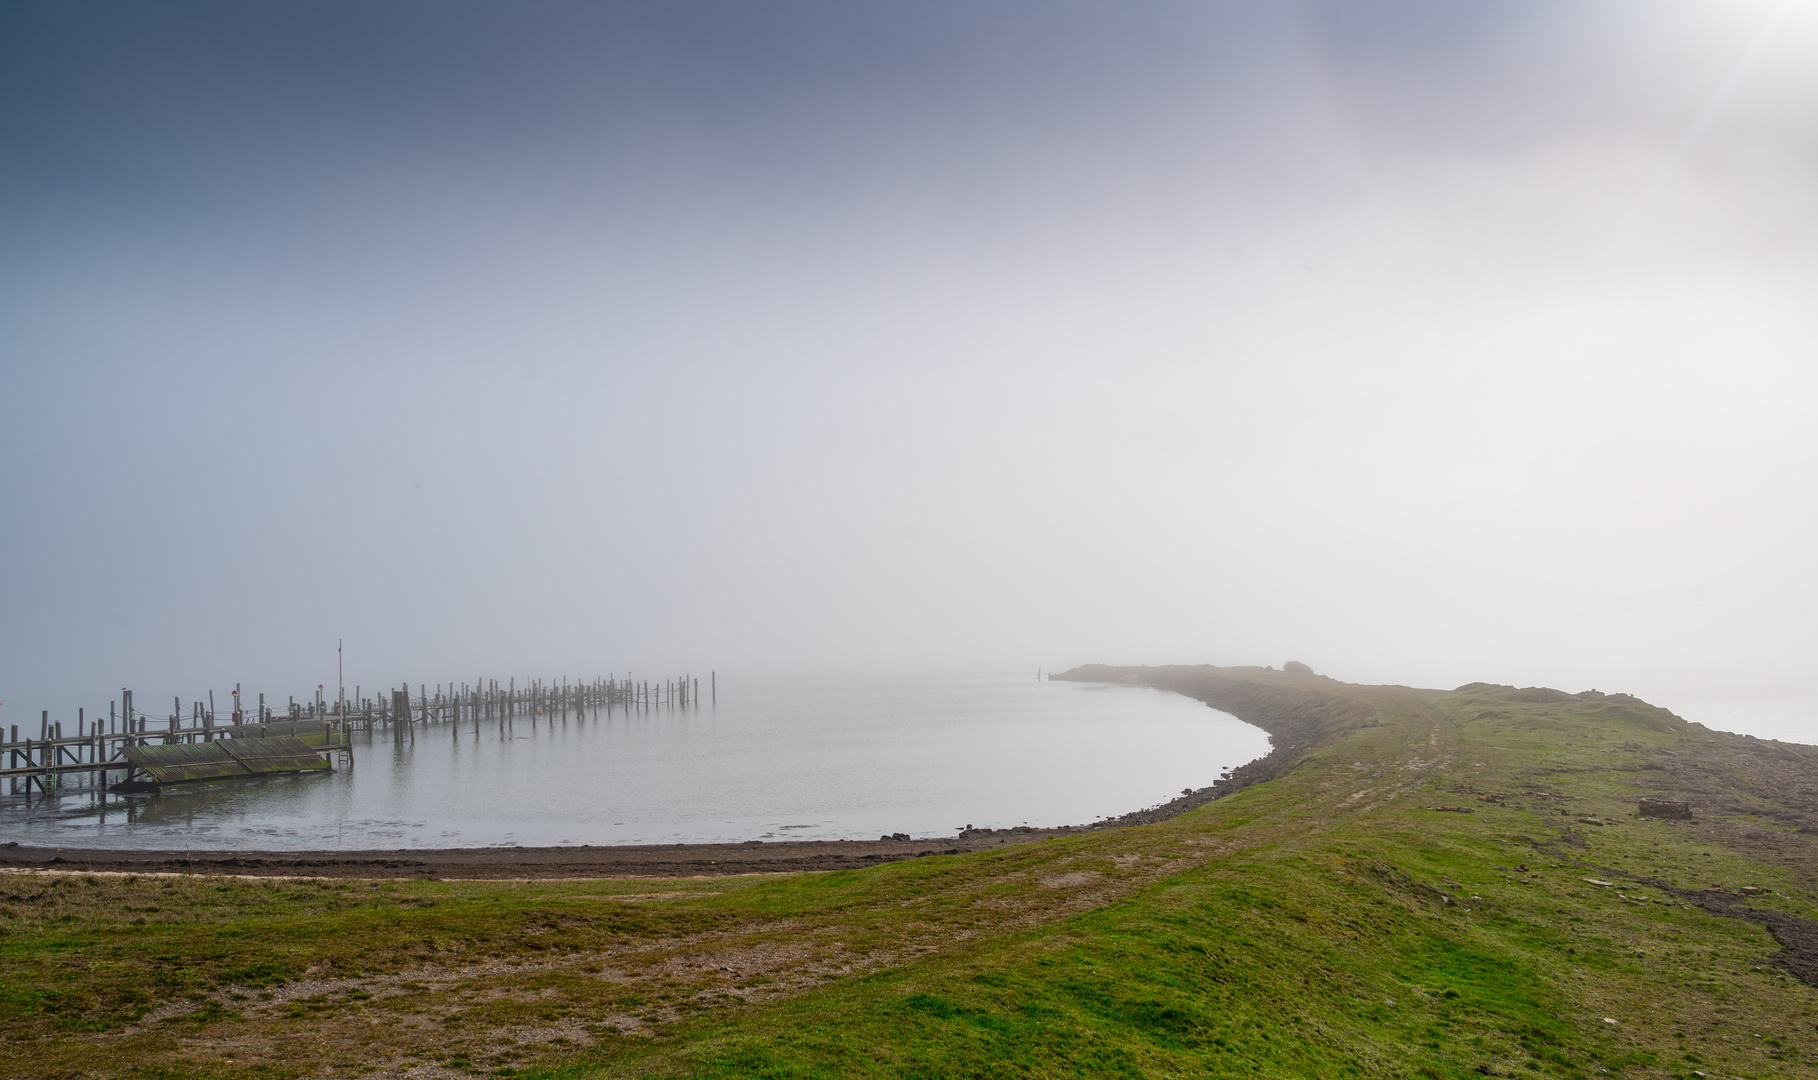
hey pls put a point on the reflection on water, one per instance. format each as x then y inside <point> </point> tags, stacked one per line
<point>819,759</point>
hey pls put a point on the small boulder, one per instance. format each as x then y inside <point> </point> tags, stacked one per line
<point>1661,808</point>
<point>1295,667</point>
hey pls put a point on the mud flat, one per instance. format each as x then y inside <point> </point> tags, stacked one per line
<point>531,863</point>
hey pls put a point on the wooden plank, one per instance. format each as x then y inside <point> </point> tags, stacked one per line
<point>285,753</point>
<point>181,763</point>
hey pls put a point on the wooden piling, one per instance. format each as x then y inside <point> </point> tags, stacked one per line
<point>94,748</point>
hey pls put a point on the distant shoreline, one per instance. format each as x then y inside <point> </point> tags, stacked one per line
<point>1297,711</point>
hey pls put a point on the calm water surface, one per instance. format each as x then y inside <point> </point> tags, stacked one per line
<point>817,759</point>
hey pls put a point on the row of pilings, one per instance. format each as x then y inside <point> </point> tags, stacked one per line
<point>94,746</point>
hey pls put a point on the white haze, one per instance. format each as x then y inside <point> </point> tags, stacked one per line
<point>1405,343</point>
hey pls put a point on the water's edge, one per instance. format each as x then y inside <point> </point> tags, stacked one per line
<point>1023,768</point>
<point>1299,713</point>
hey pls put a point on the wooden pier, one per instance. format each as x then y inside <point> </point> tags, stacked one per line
<point>98,747</point>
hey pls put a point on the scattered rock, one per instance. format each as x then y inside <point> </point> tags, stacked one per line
<point>1661,808</point>
<point>1601,884</point>
<point>1295,667</point>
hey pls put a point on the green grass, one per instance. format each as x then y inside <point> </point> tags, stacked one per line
<point>1321,925</point>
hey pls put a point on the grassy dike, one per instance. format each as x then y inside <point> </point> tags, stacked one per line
<point>1324,921</point>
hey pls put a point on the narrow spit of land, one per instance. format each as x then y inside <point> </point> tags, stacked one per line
<point>1414,883</point>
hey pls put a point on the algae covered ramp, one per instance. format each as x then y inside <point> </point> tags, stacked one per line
<point>223,759</point>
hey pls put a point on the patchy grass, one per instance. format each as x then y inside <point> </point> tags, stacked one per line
<point>1326,924</point>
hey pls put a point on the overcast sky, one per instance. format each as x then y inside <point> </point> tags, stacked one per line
<point>1419,340</point>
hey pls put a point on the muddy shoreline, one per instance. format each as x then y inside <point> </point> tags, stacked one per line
<point>1299,712</point>
<point>510,863</point>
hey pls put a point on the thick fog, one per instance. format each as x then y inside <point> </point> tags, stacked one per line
<point>1418,340</point>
